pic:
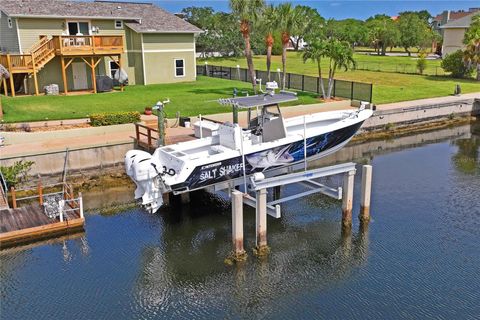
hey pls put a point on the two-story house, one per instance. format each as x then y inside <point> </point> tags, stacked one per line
<point>70,43</point>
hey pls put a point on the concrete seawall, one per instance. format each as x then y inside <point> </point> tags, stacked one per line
<point>421,113</point>
<point>81,159</point>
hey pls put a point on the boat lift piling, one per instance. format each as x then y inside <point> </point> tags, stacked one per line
<point>259,185</point>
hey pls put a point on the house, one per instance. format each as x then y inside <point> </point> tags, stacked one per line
<point>454,32</point>
<point>70,43</point>
<point>447,16</point>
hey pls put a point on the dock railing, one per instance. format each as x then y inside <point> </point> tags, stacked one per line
<point>142,132</point>
<point>68,199</point>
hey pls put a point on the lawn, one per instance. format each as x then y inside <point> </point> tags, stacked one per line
<point>388,86</point>
<point>190,98</point>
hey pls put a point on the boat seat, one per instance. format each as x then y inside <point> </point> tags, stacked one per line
<point>230,135</point>
<point>274,129</point>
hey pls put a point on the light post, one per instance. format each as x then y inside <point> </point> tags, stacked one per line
<point>161,121</point>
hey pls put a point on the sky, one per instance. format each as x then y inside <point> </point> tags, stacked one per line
<point>339,9</point>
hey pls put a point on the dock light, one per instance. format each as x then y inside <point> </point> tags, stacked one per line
<point>238,66</point>
<point>206,62</point>
<point>278,70</point>
<point>258,176</point>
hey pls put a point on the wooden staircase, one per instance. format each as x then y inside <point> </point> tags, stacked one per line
<point>42,52</point>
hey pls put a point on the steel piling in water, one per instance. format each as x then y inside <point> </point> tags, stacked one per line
<point>261,222</point>
<point>239,253</point>
<point>347,202</point>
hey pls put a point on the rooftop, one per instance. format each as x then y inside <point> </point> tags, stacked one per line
<point>460,23</point>
<point>141,17</point>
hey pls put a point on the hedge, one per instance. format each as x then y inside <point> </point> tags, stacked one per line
<point>108,119</point>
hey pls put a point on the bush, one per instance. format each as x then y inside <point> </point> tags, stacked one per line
<point>16,173</point>
<point>454,63</point>
<point>108,119</point>
<point>421,62</point>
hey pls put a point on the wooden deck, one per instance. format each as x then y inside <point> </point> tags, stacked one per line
<point>146,136</point>
<point>29,222</point>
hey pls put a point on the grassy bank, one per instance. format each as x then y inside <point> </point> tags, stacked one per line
<point>190,98</point>
<point>388,86</point>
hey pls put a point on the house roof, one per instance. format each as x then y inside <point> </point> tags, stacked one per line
<point>454,15</point>
<point>461,23</point>
<point>141,17</point>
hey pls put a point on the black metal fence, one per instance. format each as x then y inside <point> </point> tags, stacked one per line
<point>341,88</point>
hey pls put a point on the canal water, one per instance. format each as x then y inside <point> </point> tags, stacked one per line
<point>418,258</point>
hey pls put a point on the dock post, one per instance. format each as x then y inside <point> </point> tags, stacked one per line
<point>14,198</point>
<point>348,180</point>
<point>80,204</point>
<point>239,253</point>
<point>61,205</point>
<point>40,193</point>
<point>261,223</point>
<point>366,193</point>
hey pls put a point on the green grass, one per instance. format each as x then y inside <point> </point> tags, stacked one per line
<point>388,86</point>
<point>190,98</point>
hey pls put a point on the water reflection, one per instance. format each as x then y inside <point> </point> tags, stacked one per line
<point>466,159</point>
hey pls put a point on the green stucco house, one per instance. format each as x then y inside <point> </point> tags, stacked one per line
<point>70,43</point>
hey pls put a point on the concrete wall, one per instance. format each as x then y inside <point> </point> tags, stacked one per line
<point>452,40</point>
<point>8,36</point>
<point>78,159</point>
<point>421,114</point>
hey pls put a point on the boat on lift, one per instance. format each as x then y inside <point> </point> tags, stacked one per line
<point>229,151</point>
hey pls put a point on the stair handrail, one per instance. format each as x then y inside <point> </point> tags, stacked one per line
<point>3,183</point>
<point>47,47</point>
<point>38,44</point>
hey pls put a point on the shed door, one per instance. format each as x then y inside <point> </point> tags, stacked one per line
<point>79,76</point>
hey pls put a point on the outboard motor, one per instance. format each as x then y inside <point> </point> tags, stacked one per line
<point>145,172</point>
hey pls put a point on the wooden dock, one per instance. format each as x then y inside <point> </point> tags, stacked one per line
<point>146,135</point>
<point>30,222</point>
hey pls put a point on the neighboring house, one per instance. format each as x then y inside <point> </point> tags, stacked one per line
<point>447,16</point>
<point>70,43</point>
<point>454,32</point>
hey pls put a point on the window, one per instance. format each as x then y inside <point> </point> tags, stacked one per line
<point>75,27</point>
<point>10,23</point>
<point>179,68</point>
<point>113,68</point>
<point>118,24</point>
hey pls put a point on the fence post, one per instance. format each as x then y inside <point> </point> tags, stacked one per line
<point>230,71</point>
<point>334,87</point>
<point>351,90</point>
<point>371,92</point>
<point>318,85</point>
<point>303,82</point>
<point>246,75</point>
<point>256,75</point>
<point>289,75</point>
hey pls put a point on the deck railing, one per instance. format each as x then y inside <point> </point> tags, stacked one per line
<point>150,134</point>
<point>74,204</point>
<point>77,45</point>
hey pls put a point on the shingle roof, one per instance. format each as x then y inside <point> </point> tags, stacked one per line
<point>141,17</point>
<point>460,23</point>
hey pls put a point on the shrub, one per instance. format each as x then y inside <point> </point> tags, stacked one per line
<point>454,63</point>
<point>421,62</point>
<point>108,119</point>
<point>16,173</point>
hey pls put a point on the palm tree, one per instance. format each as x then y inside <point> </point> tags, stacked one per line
<point>340,56</point>
<point>471,55</point>
<point>286,22</point>
<point>315,51</point>
<point>247,11</point>
<point>269,21</point>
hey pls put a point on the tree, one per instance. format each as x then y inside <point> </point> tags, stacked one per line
<point>315,51</point>
<point>471,55</point>
<point>421,62</point>
<point>268,24</point>
<point>423,15</point>
<point>308,21</point>
<point>339,55</point>
<point>287,21</point>
<point>413,31</point>
<point>454,64</point>
<point>350,30</point>
<point>383,32</point>
<point>247,11</point>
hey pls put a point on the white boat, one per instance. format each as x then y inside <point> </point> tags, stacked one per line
<point>231,151</point>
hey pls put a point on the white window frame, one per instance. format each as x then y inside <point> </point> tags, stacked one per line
<point>10,22</point>
<point>109,64</point>
<point>78,26</point>
<point>121,24</point>
<point>175,67</point>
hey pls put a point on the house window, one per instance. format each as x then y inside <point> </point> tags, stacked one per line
<point>179,67</point>
<point>78,28</point>
<point>10,23</point>
<point>118,24</point>
<point>113,68</point>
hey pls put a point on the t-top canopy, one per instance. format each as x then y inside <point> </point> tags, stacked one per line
<point>260,100</point>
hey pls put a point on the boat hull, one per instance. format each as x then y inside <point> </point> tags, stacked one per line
<point>284,155</point>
